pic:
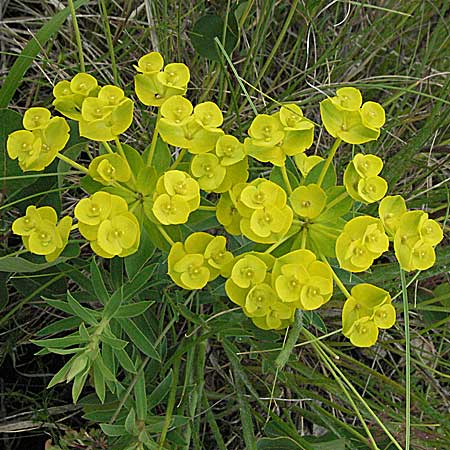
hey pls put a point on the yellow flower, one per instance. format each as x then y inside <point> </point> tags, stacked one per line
<point>306,163</point>
<point>110,168</point>
<point>37,147</point>
<point>362,241</point>
<point>154,85</point>
<point>41,234</point>
<point>391,210</point>
<point>308,201</point>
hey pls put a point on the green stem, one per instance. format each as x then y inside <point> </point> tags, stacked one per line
<point>179,159</point>
<point>77,36</point>
<point>338,281</point>
<point>169,240</point>
<point>325,167</point>
<point>72,163</point>
<point>107,147</point>
<point>304,236</point>
<point>292,339</point>
<point>151,153</point>
<point>408,361</point>
<point>277,244</point>
<point>206,208</point>
<point>119,148</point>
<point>170,404</point>
<point>286,179</point>
<point>112,55</point>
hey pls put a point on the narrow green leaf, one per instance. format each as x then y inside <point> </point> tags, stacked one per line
<point>98,282</point>
<point>160,392</point>
<point>31,50</point>
<point>99,383</point>
<point>113,430</point>
<point>125,361</point>
<point>132,310</point>
<point>139,338</point>
<point>130,423</point>
<point>140,396</point>
<point>78,385</point>
<point>113,341</point>
<point>83,313</point>
<point>22,265</point>
<point>60,325</point>
<point>61,342</point>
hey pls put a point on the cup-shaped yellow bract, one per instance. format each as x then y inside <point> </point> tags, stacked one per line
<point>265,216</point>
<point>249,271</point>
<point>415,239</point>
<point>344,118</point>
<point>308,201</point>
<point>118,235</point>
<point>228,215</point>
<point>41,234</point>
<point>362,181</point>
<point>150,63</point>
<point>390,210</point>
<point>106,116</point>
<point>154,85</point>
<point>36,118</point>
<point>284,133</point>
<point>362,241</point>
<point>373,115</point>
<point>302,280</point>
<point>208,171</point>
<point>367,309</point>
<point>348,99</point>
<point>177,195</point>
<point>110,168</point>
<point>306,163</point>
<point>196,129</point>
<point>36,147</point>
<point>229,150</point>
<point>104,220</point>
<point>201,258</point>
<point>69,95</point>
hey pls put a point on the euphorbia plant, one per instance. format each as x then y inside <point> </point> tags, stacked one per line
<point>296,221</point>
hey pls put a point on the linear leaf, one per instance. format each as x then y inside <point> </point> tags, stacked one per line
<point>132,310</point>
<point>139,339</point>
<point>83,313</point>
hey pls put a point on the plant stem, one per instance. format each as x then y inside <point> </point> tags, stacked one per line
<point>179,159</point>
<point>112,55</point>
<point>286,179</point>
<point>206,208</point>
<point>277,244</point>
<point>151,153</point>
<point>77,36</point>
<point>304,236</point>
<point>292,339</point>
<point>72,163</point>
<point>166,236</point>
<point>338,281</point>
<point>408,361</point>
<point>107,147</point>
<point>325,167</point>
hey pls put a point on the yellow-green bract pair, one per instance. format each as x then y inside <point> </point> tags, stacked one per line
<point>269,290</point>
<point>104,220</point>
<point>413,233</point>
<point>365,311</point>
<point>41,233</point>
<point>103,112</point>
<point>37,146</point>
<point>347,118</point>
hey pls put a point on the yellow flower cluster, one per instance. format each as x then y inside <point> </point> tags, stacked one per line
<point>362,181</point>
<point>345,117</point>
<point>300,210</point>
<point>365,311</point>
<point>156,83</point>
<point>195,129</point>
<point>37,145</point>
<point>261,211</point>
<point>413,233</point>
<point>285,133</point>
<point>104,220</point>
<point>200,259</point>
<point>360,243</point>
<point>177,195</point>
<point>103,112</point>
<point>41,232</point>
<point>269,290</point>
